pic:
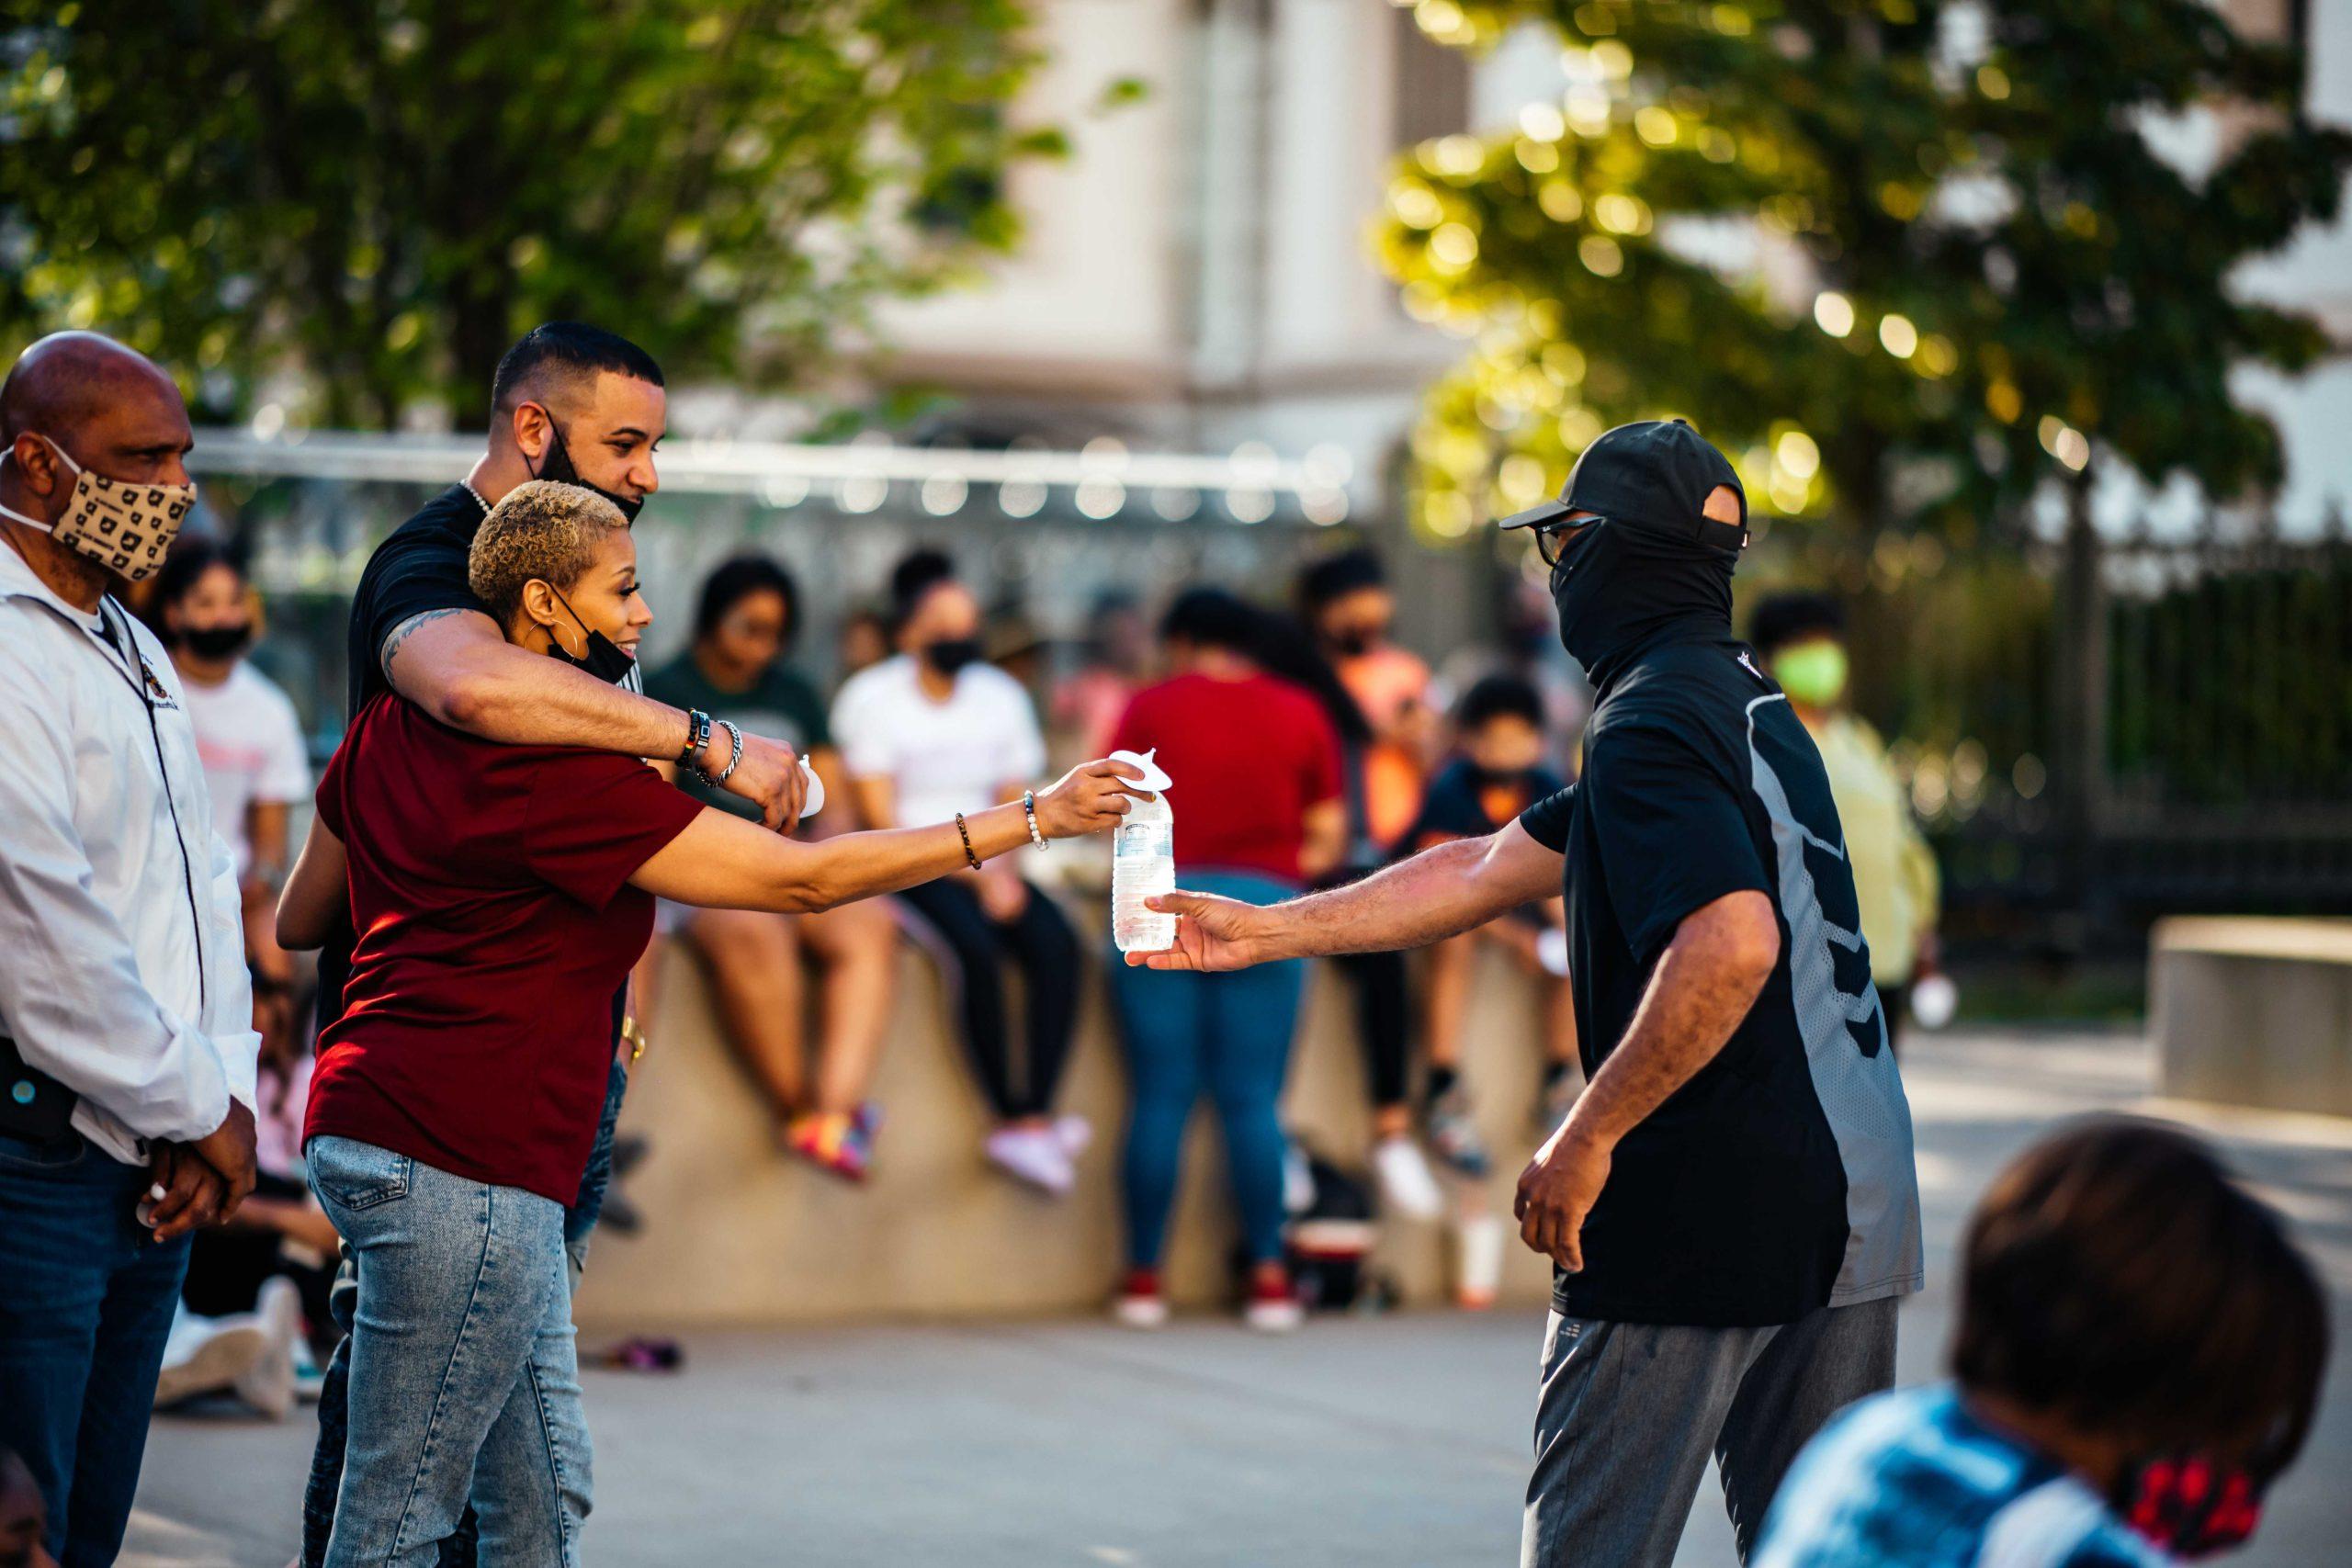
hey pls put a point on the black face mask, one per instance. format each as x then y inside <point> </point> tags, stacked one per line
<point>215,643</point>
<point>605,659</point>
<point>557,465</point>
<point>1353,643</point>
<point>950,656</point>
<point>1622,590</point>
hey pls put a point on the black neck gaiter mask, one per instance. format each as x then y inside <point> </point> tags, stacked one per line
<point>1622,591</point>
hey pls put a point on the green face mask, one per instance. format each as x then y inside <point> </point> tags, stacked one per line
<point>1812,673</point>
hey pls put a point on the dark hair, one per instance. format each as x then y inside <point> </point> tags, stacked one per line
<point>2115,1276</point>
<point>736,578</point>
<point>565,350</point>
<point>1499,696</point>
<point>1785,618</point>
<point>1324,581</point>
<point>184,564</point>
<point>1287,650</point>
<point>1212,617</point>
<point>918,573</point>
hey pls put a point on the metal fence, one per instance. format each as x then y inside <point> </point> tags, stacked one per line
<point>2184,742</point>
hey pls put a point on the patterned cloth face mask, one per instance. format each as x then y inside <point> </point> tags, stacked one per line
<point>123,526</point>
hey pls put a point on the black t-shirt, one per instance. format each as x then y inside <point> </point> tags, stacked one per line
<point>419,569</point>
<point>1779,1178</point>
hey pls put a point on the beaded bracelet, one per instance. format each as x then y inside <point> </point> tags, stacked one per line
<point>1029,809</point>
<point>965,833</point>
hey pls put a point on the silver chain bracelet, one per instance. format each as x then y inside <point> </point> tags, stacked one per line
<point>1029,807</point>
<point>736,736</point>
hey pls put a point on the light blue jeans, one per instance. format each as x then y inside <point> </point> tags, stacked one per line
<point>1228,1034</point>
<point>465,1381</point>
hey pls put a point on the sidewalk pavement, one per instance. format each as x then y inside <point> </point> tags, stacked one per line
<point>1366,1442</point>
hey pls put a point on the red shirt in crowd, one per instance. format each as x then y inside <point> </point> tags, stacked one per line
<point>489,889</point>
<point>1246,760</point>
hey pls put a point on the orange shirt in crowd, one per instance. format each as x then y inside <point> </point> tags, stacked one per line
<point>1388,683</point>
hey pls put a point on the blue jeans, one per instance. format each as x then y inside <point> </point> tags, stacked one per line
<point>464,1384</point>
<point>326,1457</point>
<point>1229,1033</point>
<point>86,1303</point>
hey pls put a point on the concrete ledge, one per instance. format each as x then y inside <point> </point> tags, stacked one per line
<point>737,1232</point>
<point>2254,1012</point>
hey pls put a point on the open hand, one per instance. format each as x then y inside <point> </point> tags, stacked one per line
<point>1211,933</point>
<point>1556,1192</point>
<point>1090,797</point>
<point>769,776</point>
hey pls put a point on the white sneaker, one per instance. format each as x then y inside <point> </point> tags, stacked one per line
<point>1075,1133</point>
<point>1406,1183</point>
<point>1033,1155</point>
<point>1141,1312</point>
<point>269,1384</point>
<point>218,1355</point>
<point>1271,1316</point>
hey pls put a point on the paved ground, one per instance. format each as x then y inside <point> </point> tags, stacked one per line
<point>1375,1441</point>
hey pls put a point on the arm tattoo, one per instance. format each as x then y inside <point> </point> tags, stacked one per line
<point>399,633</point>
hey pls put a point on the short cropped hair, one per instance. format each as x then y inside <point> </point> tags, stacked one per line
<point>561,353</point>
<point>1786,618</point>
<point>2114,1276</point>
<point>1336,575</point>
<point>1500,697</point>
<point>544,529</point>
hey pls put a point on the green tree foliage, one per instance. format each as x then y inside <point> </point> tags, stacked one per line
<point>371,199</point>
<point>1904,258</point>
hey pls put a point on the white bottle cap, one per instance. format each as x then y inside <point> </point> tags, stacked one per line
<point>1153,779</point>
<point>815,800</point>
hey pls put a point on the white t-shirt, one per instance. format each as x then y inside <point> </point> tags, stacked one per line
<point>944,757</point>
<point>251,744</point>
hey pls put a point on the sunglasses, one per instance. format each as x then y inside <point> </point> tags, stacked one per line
<point>1552,538</point>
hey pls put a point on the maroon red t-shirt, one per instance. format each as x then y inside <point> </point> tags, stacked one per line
<point>1245,759</point>
<point>489,889</point>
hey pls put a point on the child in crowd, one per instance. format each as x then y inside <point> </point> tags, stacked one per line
<point>2138,1357</point>
<point>1498,774</point>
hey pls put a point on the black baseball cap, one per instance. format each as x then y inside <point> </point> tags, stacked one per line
<point>1656,475</point>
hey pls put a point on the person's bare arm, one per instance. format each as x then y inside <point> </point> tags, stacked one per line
<point>314,893</point>
<point>1718,959</point>
<point>1324,839</point>
<point>1437,892</point>
<point>721,861</point>
<point>457,666</point>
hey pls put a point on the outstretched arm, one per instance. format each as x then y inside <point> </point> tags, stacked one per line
<point>457,666</point>
<point>1708,977</point>
<point>1439,893</point>
<point>722,861</point>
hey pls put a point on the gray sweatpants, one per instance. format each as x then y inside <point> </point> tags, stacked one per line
<point>1630,1412</point>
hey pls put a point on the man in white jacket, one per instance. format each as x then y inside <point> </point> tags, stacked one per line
<point>127,1051</point>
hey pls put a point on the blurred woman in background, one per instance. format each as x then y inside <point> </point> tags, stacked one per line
<point>746,618</point>
<point>1263,814</point>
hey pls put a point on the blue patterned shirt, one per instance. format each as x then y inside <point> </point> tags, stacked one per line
<point>1911,1478</point>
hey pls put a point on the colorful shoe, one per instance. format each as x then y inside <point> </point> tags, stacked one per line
<point>1139,1304</point>
<point>1453,1138</point>
<point>835,1141</point>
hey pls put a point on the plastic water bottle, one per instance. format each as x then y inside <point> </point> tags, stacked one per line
<point>1143,863</point>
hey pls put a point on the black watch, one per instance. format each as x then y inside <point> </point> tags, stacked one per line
<point>698,737</point>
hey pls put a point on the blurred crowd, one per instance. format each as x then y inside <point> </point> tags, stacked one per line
<point>1360,752</point>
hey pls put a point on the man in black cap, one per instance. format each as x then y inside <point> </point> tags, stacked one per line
<point>1732,1202</point>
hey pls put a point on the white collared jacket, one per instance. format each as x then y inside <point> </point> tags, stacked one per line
<point>123,966</point>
